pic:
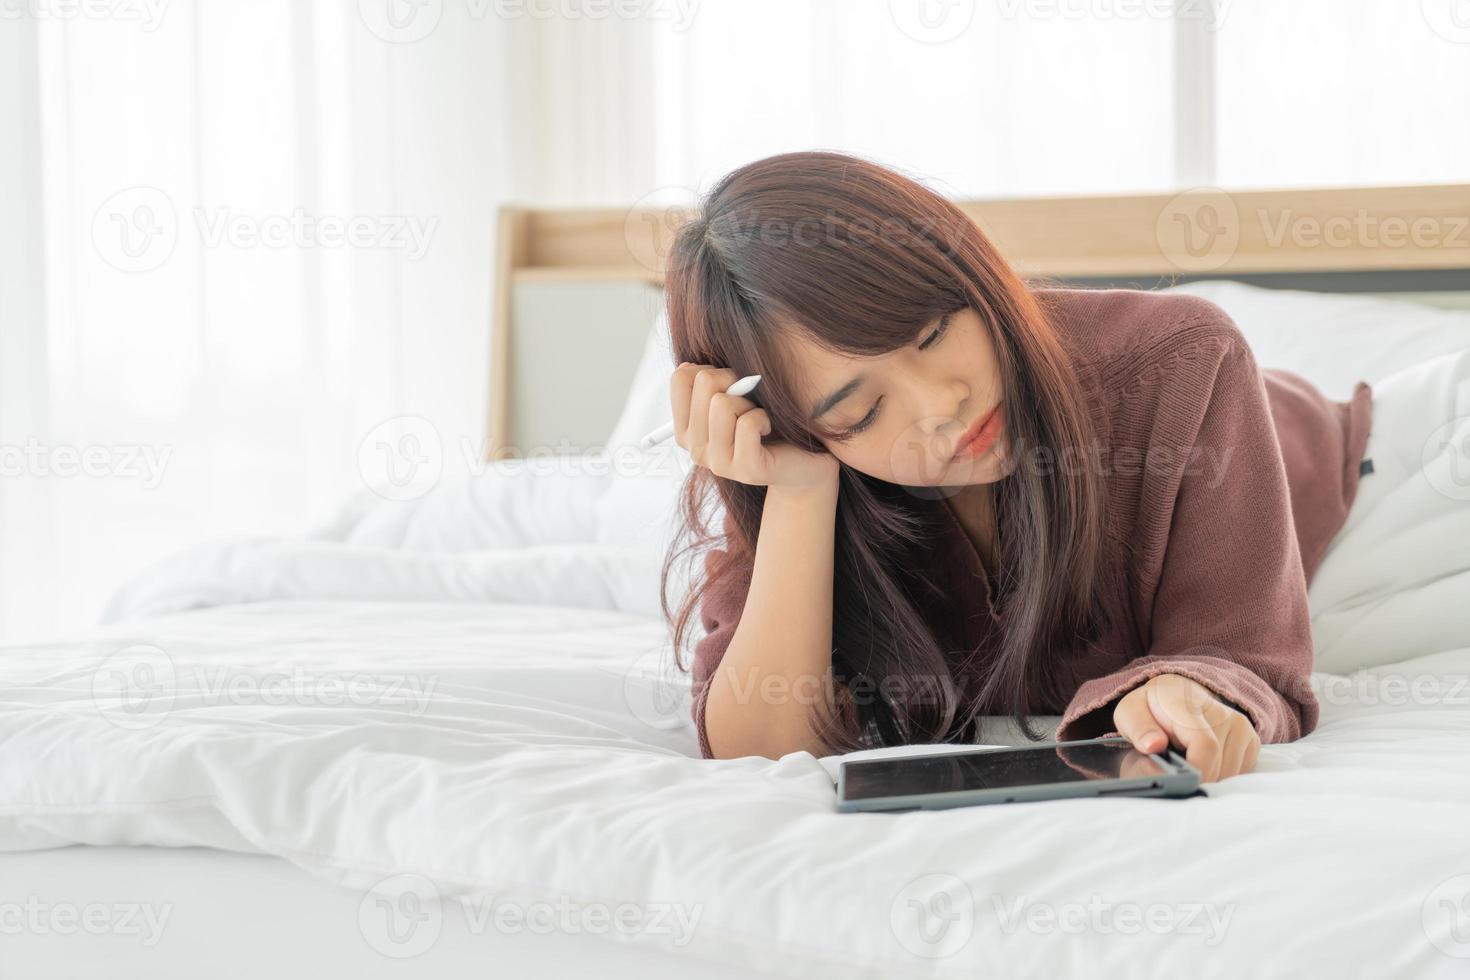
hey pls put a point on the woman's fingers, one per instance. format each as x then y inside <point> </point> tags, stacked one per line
<point>1187,714</point>
<point>1217,740</point>
<point>1241,749</point>
<point>750,429</point>
<point>1135,721</point>
<point>1253,752</point>
<point>707,421</point>
<point>1232,754</point>
<point>724,413</point>
<point>1203,752</point>
<point>708,381</point>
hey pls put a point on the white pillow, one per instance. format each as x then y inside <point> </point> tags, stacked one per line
<point>512,503</point>
<point>647,404</point>
<point>638,509</point>
<point>1335,339</point>
<point>637,516</point>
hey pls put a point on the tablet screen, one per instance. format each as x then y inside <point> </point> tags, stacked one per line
<point>913,775</point>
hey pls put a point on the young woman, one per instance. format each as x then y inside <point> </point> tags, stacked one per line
<point>955,495</point>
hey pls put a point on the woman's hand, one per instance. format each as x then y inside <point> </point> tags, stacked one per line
<point>1218,740</point>
<point>723,433</point>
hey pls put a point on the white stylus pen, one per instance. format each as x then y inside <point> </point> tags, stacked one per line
<point>742,387</point>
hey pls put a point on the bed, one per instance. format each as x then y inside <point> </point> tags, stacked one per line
<point>442,733</point>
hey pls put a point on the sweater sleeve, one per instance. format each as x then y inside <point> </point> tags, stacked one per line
<point>719,614</point>
<point>1229,606</point>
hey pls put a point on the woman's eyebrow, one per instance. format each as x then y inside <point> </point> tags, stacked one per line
<point>830,402</point>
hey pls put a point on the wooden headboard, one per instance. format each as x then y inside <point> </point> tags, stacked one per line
<point>1412,239</point>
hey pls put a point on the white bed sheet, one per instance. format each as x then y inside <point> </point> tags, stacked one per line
<point>190,912</point>
<point>545,757</point>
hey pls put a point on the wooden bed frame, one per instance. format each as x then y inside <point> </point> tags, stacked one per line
<point>1356,239</point>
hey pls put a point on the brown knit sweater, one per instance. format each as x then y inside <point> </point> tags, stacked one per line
<point>1225,484</point>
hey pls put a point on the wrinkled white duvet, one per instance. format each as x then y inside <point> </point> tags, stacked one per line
<point>523,753</point>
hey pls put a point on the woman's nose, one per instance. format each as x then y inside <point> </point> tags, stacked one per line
<point>940,409</point>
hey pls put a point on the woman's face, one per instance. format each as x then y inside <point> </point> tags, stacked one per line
<point>901,415</point>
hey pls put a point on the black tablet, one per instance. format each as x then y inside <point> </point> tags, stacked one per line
<point>1045,771</point>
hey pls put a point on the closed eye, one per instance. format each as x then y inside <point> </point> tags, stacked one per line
<point>930,340</point>
<point>861,424</point>
<point>872,416</point>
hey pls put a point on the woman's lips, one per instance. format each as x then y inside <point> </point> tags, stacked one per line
<point>981,436</point>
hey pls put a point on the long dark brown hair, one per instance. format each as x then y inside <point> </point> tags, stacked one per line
<point>861,257</point>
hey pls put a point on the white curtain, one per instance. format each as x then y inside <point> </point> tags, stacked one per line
<point>980,98</point>
<point>241,235</point>
<point>1334,93</point>
<point>998,98</point>
<point>263,229</point>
